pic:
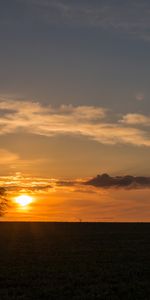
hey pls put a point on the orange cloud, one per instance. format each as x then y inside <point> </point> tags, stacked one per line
<point>93,122</point>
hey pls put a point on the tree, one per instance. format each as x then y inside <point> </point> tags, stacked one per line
<point>3,201</point>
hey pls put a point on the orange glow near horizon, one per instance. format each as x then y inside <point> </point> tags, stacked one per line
<point>42,199</point>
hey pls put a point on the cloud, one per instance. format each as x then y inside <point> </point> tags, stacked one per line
<point>92,122</point>
<point>23,184</point>
<point>136,119</point>
<point>81,187</point>
<point>128,181</point>
<point>33,189</point>
<point>131,17</point>
<point>65,183</point>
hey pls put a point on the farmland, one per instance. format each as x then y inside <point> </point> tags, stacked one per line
<point>74,261</point>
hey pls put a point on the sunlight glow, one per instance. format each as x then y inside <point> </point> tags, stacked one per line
<point>24,200</point>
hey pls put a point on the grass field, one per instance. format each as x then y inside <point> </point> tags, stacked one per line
<point>74,261</point>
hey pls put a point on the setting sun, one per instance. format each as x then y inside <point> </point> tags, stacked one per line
<point>24,200</point>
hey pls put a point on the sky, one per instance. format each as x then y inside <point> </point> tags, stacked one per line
<point>74,103</point>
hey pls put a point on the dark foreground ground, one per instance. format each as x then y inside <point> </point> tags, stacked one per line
<point>74,261</point>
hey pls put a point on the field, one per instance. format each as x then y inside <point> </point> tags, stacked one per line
<point>74,261</point>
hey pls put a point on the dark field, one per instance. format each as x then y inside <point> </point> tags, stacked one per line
<point>74,261</point>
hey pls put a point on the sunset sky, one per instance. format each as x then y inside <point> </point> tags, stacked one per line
<point>74,103</point>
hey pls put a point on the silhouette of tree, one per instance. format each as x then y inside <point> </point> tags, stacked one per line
<point>3,201</point>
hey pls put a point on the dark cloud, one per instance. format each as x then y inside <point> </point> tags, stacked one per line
<point>19,188</point>
<point>39,188</point>
<point>128,181</point>
<point>65,183</point>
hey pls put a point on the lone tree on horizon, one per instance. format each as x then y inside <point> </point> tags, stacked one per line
<point>3,201</point>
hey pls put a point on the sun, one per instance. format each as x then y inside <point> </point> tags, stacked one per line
<point>24,200</point>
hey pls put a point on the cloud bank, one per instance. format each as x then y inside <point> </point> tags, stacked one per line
<point>128,181</point>
<point>96,185</point>
<point>95,123</point>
